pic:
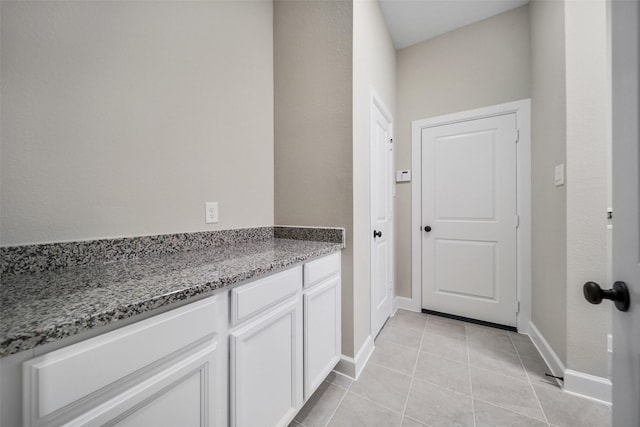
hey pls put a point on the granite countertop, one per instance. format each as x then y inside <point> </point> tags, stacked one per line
<point>45,306</point>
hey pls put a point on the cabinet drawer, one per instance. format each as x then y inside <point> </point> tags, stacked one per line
<point>320,269</point>
<point>64,378</point>
<point>252,298</point>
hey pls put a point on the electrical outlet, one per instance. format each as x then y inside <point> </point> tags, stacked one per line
<point>211,212</point>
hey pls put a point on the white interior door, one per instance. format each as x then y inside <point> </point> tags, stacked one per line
<point>381,216</point>
<point>469,219</point>
<point>626,215</point>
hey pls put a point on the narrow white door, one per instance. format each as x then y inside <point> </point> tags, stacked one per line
<point>469,219</point>
<point>381,216</point>
<point>626,214</point>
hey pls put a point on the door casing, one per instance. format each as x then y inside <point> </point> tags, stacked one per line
<point>522,110</point>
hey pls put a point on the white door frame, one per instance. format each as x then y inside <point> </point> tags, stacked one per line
<point>522,109</point>
<point>377,103</point>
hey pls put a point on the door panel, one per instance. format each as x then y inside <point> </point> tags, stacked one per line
<point>477,279</point>
<point>626,210</point>
<point>381,296</point>
<point>469,201</point>
<point>465,181</point>
<point>381,219</point>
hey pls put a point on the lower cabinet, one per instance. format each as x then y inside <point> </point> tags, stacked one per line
<point>248,357</point>
<point>321,333</point>
<point>167,370</point>
<point>287,346</point>
<point>322,320</point>
<point>266,368</point>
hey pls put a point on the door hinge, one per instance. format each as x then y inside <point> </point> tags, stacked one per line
<point>517,221</point>
<point>517,135</point>
<point>391,144</point>
<point>517,307</point>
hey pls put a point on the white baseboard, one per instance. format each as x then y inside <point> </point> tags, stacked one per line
<point>550,357</point>
<point>353,366</point>
<point>405,303</point>
<point>590,386</point>
<point>578,383</point>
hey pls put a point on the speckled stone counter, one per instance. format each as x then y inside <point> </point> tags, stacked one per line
<point>48,304</point>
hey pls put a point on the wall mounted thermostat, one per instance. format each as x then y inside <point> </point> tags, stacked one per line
<point>403,176</point>
<point>558,177</point>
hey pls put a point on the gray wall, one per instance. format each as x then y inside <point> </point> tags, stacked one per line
<point>374,67</point>
<point>482,64</point>
<point>328,56</point>
<point>124,118</point>
<point>313,125</point>
<point>570,125</point>
<point>548,148</point>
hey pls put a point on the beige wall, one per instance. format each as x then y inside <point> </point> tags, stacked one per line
<point>374,67</point>
<point>313,126</point>
<point>571,125</point>
<point>482,64</point>
<point>548,149</point>
<point>588,143</point>
<point>124,118</point>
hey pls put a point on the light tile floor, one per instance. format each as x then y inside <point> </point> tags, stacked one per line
<point>437,372</point>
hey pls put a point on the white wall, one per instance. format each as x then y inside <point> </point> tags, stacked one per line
<point>482,64</point>
<point>313,44</point>
<point>548,148</point>
<point>123,118</point>
<point>374,66</point>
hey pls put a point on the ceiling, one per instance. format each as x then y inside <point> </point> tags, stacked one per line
<point>413,21</point>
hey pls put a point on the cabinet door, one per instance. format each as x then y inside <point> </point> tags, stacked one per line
<point>68,383</point>
<point>183,394</point>
<point>322,333</point>
<point>266,367</point>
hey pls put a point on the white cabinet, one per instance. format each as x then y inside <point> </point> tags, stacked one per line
<point>166,368</point>
<point>266,352</point>
<point>322,326</point>
<point>186,367</point>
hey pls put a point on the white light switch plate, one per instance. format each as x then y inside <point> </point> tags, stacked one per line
<point>211,212</point>
<point>559,175</point>
<point>403,176</point>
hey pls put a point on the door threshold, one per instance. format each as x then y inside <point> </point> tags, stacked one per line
<point>470,320</point>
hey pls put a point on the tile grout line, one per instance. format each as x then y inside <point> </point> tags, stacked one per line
<point>333,413</point>
<point>417,421</point>
<point>376,403</point>
<point>413,373</point>
<point>473,405</point>
<point>507,409</point>
<point>544,414</point>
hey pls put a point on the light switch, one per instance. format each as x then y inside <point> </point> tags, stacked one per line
<point>211,212</point>
<point>559,175</point>
<point>403,176</point>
